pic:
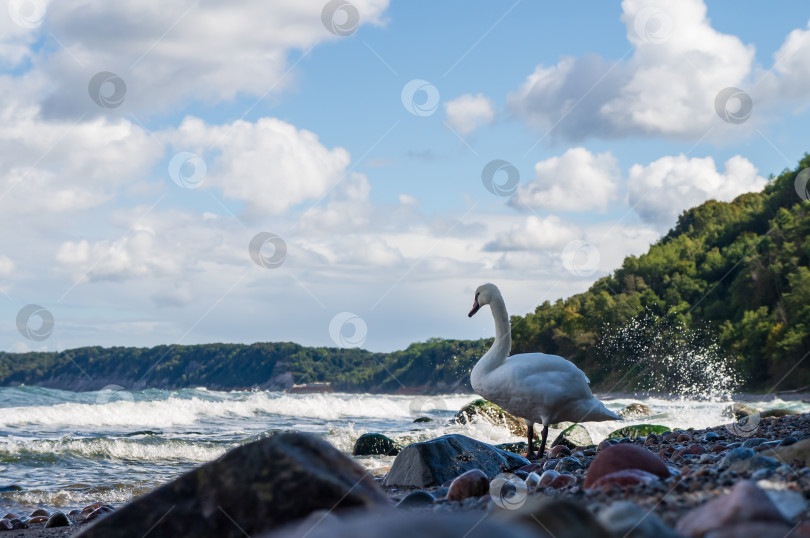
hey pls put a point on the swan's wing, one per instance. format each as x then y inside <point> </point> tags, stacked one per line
<point>540,362</point>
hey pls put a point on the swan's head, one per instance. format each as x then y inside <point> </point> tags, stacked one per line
<point>484,295</point>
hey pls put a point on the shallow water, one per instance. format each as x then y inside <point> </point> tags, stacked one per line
<point>66,449</point>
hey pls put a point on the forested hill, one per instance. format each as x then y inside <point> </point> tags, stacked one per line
<point>729,285</point>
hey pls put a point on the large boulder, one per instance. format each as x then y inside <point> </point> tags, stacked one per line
<point>482,410</point>
<point>635,410</point>
<point>436,461</point>
<point>250,489</point>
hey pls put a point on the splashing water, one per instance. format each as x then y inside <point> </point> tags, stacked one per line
<point>661,356</point>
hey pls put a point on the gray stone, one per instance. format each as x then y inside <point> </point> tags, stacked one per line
<point>568,464</point>
<point>415,499</point>
<point>436,461</point>
<point>573,436</point>
<point>626,519</point>
<point>735,455</point>
<point>250,489</point>
<point>754,463</point>
<point>754,441</point>
<point>711,436</point>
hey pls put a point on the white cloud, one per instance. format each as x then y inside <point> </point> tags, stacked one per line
<point>175,51</point>
<point>578,180</point>
<point>469,112</point>
<point>789,79</point>
<point>667,88</point>
<point>269,165</point>
<point>6,266</point>
<point>660,191</point>
<point>533,234</point>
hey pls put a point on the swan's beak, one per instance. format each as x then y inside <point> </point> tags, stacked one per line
<point>475,308</point>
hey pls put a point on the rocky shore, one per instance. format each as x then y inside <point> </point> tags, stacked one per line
<point>748,478</point>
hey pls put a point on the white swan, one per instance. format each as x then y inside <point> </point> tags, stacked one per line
<point>533,386</point>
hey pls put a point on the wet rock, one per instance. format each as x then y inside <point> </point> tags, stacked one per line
<point>532,468</point>
<point>568,464</point>
<point>520,447</point>
<point>778,412</point>
<point>736,454</point>
<point>37,519</point>
<point>39,512</point>
<point>711,437</point>
<point>558,451</point>
<point>58,519</point>
<point>739,411</point>
<point>90,507</point>
<point>626,519</point>
<point>401,524</point>
<point>635,410</point>
<point>438,460</point>
<point>573,437</point>
<point>261,485</point>
<point>637,430</point>
<point>623,478</point>
<point>753,442</point>
<point>11,515</point>
<point>12,487</point>
<point>603,445</point>
<point>547,477</point>
<point>787,441</point>
<point>745,503</point>
<point>74,512</point>
<point>5,524</point>
<point>562,480</point>
<point>473,483</point>
<point>415,499</point>
<point>522,474</point>
<point>375,444</point>
<point>550,464</point>
<point>482,410</point>
<point>418,420</point>
<point>17,524</point>
<point>628,456</point>
<point>533,480</point>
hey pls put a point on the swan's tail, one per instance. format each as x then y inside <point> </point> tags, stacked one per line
<point>594,411</point>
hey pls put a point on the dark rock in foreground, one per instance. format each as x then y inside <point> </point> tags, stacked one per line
<point>405,525</point>
<point>252,488</point>
<point>436,461</point>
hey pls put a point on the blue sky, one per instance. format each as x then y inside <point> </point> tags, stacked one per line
<point>607,111</point>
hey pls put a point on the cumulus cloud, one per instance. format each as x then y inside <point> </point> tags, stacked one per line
<point>660,191</point>
<point>578,180</point>
<point>533,233</point>
<point>469,112</point>
<point>269,165</point>
<point>171,52</point>
<point>667,88</point>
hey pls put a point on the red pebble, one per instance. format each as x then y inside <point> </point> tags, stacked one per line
<point>561,481</point>
<point>695,449</point>
<point>559,450</point>
<point>473,483</point>
<point>717,448</point>
<point>684,437</point>
<point>532,468</point>
<point>623,478</point>
<point>625,456</point>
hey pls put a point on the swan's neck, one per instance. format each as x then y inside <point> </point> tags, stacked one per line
<point>501,347</point>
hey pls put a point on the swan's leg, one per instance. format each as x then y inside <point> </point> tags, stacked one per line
<point>530,435</point>
<point>543,436</point>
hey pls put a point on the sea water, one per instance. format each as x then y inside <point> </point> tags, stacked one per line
<point>67,449</point>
